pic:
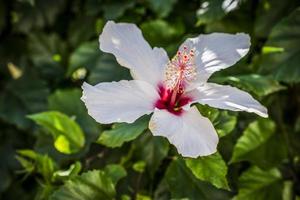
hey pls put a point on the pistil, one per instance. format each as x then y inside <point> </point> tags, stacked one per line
<point>179,72</point>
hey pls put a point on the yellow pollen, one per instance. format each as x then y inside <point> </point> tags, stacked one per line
<point>180,70</point>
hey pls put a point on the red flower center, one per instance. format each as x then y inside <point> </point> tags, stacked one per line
<point>180,71</point>
<point>172,100</point>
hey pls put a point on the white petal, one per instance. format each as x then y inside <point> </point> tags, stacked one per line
<point>192,134</point>
<point>123,101</point>
<point>131,50</point>
<point>227,97</point>
<point>217,51</point>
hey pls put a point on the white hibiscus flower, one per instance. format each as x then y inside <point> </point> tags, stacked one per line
<point>167,88</point>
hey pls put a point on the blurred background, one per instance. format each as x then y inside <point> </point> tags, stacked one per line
<point>51,149</point>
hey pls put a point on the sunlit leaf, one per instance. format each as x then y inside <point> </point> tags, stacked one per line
<point>223,122</point>
<point>268,49</point>
<point>256,184</point>
<point>90,185</point>
<point>68,136</point>
<point>115,172</point>
<point>142,197</point>
<point>34,162</point>
<point>73,170</point>
<point>287,192</point>
<point>123,132</point>
<point>65,101</point>
<point>139,166</point>
<point>266,156</point>
<point>256,134</point>
<point>178,177</point>
<point>257,84</point>
<point>209,168</point>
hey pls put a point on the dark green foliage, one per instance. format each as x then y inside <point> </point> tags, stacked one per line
<point>50,148</point>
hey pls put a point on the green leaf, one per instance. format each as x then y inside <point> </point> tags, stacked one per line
<point>268,49</point>
<point>90,185</point>
<point>65,100</point>
<point>284,66</point>
<point>214,10</point>
<point>106,69</point>
<point>287,193</point>
<point>73,171</point>
<point>103,67</point>
<point>84,56</point>
<point>28,165</point>
<point>44,191</point>
<point>266,156</point>
<point>223,122</point>
<point>210,11</point>
<point>48,53</point>
<point>115,172</point>
<point>142,197</point>
<point>210,168</point>
<point>153,34</point>
<point>257,84</point>
<point>152,150</point>
<point>21,97</point>
<point>269,13</point>
<point>123,132</point>
<point>183,184</point>
<point>139,166</point>
<point>32,161</point>
<point>162,8</point>
<point>86,31</point>
<point>44,12</point>
<point>115,10</point>
<point>68,136</point>
<point>256,184</point>
<point>256,134</point>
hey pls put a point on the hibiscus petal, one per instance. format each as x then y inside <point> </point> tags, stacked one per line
<point>217,51</point>
<point>227,97</point>
<point>131,50</point>
<point>123,101</point>
<point>192,134</point>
